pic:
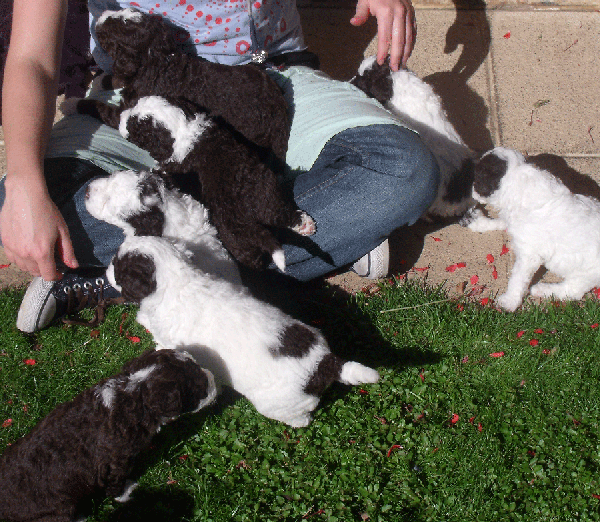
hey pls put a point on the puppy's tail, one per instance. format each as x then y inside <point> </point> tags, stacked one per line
<point>356,373</point>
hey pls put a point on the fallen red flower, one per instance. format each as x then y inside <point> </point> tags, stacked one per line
<point>490,258</point>
<point>539,331</point>
<point>29,362</point>
<point>595,325</point>
<point>497,354</point>
<point>454,418</point>
<point>494,272</point>
<point>436,238</point>
<point>7,423</point>
<point>472,419</point>
<point>474,279</point>
<point>534,342</point>
<point>545,351</point>
<point>506,35</point>
<point>595,496</point>
<point>479,427</point>
<point>394,447</point>
<point>485,301</point>
<point>520,334</point>
<point>5,266</point>
<point>133,338</point>
<point>505,250</point>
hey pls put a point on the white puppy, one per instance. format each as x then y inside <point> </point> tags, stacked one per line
<point>547,223</point>
<point>415,103</point>
<point>141,204</point>
<point>280,364</point>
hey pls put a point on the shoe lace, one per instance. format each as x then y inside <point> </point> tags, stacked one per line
<point>88,295</point>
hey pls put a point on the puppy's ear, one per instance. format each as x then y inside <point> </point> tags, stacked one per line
<point>163,397</point>
<point>151,222</point>
<point>135,273</point>
<point>126,61</point>
<point>376,82</point>
<point>164,39</point>
<point>488,173</point>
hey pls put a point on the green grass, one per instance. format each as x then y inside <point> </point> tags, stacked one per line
<point>450,433</point>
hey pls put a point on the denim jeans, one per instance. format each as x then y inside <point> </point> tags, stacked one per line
<point>366,182</point>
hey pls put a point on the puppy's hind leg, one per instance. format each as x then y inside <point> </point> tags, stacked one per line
<point>570,289</point>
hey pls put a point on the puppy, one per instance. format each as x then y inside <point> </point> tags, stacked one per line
<point>209,161</point>
<point>147,61</point>
<point>143,204</point>
<point>280,364</point>
<point>88,445</point>
<point>547,223</point>
<point>416,104</point>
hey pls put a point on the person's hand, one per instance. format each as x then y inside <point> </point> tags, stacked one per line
<point>33,229</point>
<point>396,28</point>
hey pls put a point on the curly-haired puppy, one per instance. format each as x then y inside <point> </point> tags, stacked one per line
<point>416,104</point>
<point>88,445</point>
<point>547,223</point>
<point>147,61</point>
<point>209,161</point>
<point>142,203</point>
<point>280,364</point>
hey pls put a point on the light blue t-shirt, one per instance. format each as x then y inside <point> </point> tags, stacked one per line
<point>223,31</point>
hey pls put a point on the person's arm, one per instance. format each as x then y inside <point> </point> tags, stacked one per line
<point>396,28</point>
<point>32,227</point>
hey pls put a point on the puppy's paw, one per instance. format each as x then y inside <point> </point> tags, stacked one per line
<point>307,225</point>
<point>542,290</point>
<point>68,106</point>
<point>508,302</point>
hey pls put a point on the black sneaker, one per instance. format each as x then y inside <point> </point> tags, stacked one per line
<point>47,301</point>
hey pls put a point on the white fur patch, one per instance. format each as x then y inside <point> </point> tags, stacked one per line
<point>184,132</point>
<point>141,375</point>
<point>125,14</point>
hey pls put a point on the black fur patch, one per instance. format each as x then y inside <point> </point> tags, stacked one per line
<point>376,82</point>
<point>461,183</point>
<point>149,223</point>
<point>135,274</point>
<point>151,136</point>
<point>296,341</point>
<point>488,172</point>
<point>327,372</point>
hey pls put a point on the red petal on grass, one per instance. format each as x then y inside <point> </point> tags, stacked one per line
<point>595,325</point>
<point>171,482</point>
<point>465,359</point>
<point>5,266</point>
<point>490,258</point>
<point>460,307</point>
<point>394,447</point>
<point>183,457</point>
<point>454,418</point>
<point>545,351</point>
<point>506,35</point>
<point>534,342</point>
<point>505,250</point>
<point>133,338</point>
<point>595,496</point>
<point>596,292</point>
<point>485,301</point>
<point>520,334</point>
<point>497,354</point>
<point>363,392</point>
<point>474,279</point>
<point>539,331</point>
<point>7,423</point>
<point>29,362</point>
<point>472,419</point>
<point>494,272</point>
<point>422,375</point>
<point>479,427</point>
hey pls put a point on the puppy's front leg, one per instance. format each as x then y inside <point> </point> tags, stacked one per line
<point>477,221</point>
<point>520,277</point>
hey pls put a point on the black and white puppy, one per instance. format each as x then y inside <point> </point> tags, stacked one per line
<point>209,161</point>
<point>548,225</point>
<point>280,364</point>
<point>88,445</point>
<point>147,61</point>
<point>141,203</point>
<point>403,93</point>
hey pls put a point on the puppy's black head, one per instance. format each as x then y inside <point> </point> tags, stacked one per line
<point>130,36</point>
<point>151,220</point>
<point>376,82</point>
<point>135,274</point>
<point>176,384</point>
<point>488,173</point>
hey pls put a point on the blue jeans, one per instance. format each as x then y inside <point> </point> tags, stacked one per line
<point>366,182</point>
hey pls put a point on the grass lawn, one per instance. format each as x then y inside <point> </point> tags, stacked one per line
<point>479,415</point>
